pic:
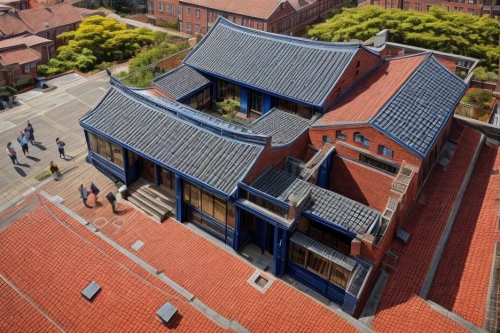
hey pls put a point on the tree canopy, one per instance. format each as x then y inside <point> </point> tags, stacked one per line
<point>440,30</point>
<point>97,39</point>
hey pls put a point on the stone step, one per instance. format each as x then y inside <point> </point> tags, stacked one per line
<point>153,201</point>
<point>146,209</point>
<point>156,191</point>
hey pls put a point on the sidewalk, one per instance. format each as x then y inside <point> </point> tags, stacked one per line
<point>213,275</point>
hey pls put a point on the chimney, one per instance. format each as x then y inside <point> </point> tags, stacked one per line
<point>381,38</point>
<point>355,247</point>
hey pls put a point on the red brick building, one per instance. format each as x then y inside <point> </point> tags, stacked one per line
<point>20,56</point>
<point>472,7</point>
<point>167,10</point>
<point>289,17</point>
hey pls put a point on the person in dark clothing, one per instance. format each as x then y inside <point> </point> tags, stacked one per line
<point>55,170</point>
<point>31,132</point>
<point>84,194</point>
<point>60,147</point>
<point>12,153</point>
<point>112,200</point>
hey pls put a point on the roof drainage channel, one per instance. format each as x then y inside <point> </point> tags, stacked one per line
<point>193,301</point>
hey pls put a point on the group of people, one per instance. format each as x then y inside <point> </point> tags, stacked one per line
<point>28,136</point>
<point>91,194</point>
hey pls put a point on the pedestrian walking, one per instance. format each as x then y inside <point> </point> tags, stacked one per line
<point>112,200</point>
<point>31,132</point>
<point>23,141</point>
<point>60,147</point>
<point>12,153</point>
<point>84,194</point>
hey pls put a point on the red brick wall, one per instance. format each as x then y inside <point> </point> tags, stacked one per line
<point>366,60</point>
<point>202,21</point>
<point>165,14</point>
<point>400,153</point>
<point>360,183</point>
<point>277,157</point>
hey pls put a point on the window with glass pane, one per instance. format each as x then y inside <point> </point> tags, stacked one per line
<point>256,102</point>
<point>117,155</point>
<point>230,216</point>
<point>327,139</point>
<point>207,203</point>
<point>303,224</point>
<point>195,196</point>
<point>341,135</point>
<point>383,150</point>
<point>93,142</point>
<point>220,210</point>
<point>194,216</point>
<point>317,264</point>
<point>187,192</point>
<point>340,275</point>
<point>298,254</point>
<point>304,111</point>
<point>103,148</point>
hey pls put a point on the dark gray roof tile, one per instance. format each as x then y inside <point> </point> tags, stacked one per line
<point>181,81</point>
<point>296,68</point>
<point>417,112</point>
<point>210,158</point>
<point>284,127</point>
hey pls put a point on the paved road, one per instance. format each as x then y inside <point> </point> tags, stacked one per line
<point>52,114</point>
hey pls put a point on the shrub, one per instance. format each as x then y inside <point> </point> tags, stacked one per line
<point>481,99</point>
<point>6,92</point>
<point>23,83</point>
<point>480,74</point>
<point>228,106</point>
<point>168,25</point>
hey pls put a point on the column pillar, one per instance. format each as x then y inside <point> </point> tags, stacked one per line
<point>266,103</point>
<point>178,196</point>
<point>157,175</point>
<point>244,108</point>
<point>237,228</point>
<point>284,251</point>
<point>277,251</point>
<point>125,165</point>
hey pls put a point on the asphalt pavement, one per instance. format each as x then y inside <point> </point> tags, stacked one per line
<point>53,114</point>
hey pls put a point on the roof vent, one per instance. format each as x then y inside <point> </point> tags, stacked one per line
<point>166,312</point>
<point>91,291</point>
<point>47,25</point>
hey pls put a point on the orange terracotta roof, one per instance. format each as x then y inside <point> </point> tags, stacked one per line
<point>217,277</point>
<point>11,24</point>
<point>253,8</point>
<point>425,223</point>
<point>18,315</point>
<point>468,254</point>
<point>21,55</point>
<point>41,19</point>
<point>51,260</point>
<point>371,94</point>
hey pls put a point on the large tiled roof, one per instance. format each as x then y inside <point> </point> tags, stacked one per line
<point>11,24</point>
<point>181,81</point>
<point>205,156</point>
<point>48,258</point>
<point>298,4</point>
<point>300,69</point>
<point>416,114</point>
<point>324,204</point>
<point>253,8</point>
<point>370,95</point>
<point>282,126</point>
<point>43,18</point>
<point>19,55</point>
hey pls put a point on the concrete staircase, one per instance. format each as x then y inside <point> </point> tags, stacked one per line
<point>153,200</point>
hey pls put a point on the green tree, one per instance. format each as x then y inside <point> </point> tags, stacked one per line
<point>440,30</point>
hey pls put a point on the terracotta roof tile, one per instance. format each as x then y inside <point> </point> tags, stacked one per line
<point>20,55</point>
<point>52,261</point>
<point>28,40</point>
<point>253,8</point>
<point>11,24</point>
<point>471,246</point>
<point>425,223</point>
<point>217,277</point>
<point>41,19</point>
<point>370,95</point>
<point>298,4</point>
